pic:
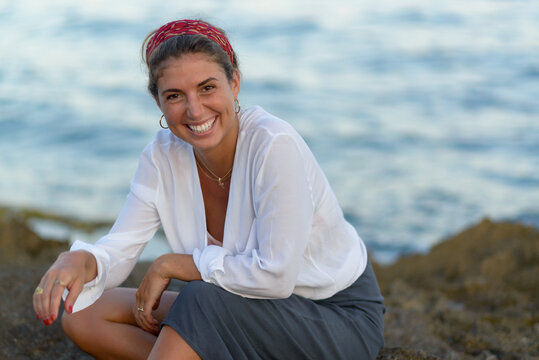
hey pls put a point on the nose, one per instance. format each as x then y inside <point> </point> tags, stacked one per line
<point>194,108</point>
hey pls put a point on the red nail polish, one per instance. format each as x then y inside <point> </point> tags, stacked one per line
<point>37,316</point>
<point>47,322</point>
<point>53,317</point>
<point>70,309</point>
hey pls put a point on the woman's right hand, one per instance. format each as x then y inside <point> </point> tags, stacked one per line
<point>71,270</point>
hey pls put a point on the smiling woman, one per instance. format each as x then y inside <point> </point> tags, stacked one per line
<point>273,268</point>
<point>198,100</point>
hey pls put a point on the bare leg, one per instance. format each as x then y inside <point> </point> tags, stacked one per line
<point>107,329</point>
<point>170,345</point>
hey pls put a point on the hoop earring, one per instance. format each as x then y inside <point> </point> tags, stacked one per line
<point>160,122</point>
<point>237,106</point>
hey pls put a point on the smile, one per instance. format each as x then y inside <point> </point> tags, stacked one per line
<point>202,127</point>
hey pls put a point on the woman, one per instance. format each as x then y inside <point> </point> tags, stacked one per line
<point>273,268</point>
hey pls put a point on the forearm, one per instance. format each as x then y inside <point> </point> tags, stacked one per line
<point>178,266</point>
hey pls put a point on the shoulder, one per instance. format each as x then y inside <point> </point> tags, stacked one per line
<point>258,128</point>
<point>266,139</point>
<point>164,143</point>
<point>162,151</point>
<point>256,119</point>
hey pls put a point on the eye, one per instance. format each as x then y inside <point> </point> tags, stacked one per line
<point>208,88</point>
<point>173,97</point>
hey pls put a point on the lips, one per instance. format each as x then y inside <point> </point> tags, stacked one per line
<point>202,128</point>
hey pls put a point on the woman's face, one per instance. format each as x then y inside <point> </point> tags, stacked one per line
<point>197,100</point>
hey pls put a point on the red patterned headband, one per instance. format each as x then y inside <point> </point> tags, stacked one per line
<point>188,27</point>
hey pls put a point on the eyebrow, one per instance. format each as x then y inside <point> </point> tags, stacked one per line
<point>199,85</point>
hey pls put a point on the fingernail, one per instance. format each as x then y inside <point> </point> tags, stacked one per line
<point>53,317</point>
<point>37,316</point>
<point>70,309</point>
<point>47,322</point>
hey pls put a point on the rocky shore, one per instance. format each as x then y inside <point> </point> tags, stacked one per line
<point>473,296</point>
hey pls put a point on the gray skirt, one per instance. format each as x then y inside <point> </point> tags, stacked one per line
<point>220,325</point>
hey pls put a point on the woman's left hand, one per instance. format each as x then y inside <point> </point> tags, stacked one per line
<point>148,296</point>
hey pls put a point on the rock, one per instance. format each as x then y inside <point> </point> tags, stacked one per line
<point>22,336</point>
<point>24,258</point>
<point>20,245</point>
<point>473,296</point>
<point>399,353</point>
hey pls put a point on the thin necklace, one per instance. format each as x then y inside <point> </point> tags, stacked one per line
<point>213,176</point>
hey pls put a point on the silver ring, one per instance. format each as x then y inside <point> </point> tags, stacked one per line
<point>141,309</point>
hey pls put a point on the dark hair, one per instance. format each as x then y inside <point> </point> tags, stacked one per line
<point>179,45</point>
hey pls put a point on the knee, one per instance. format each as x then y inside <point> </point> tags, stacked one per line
<point>69,324</point>
<point>76,325</point>
<point>200,294</point>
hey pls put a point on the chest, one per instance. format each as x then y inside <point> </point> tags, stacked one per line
<point>215,197</point>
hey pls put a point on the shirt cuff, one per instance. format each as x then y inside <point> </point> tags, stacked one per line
<point>210,262</point>
<point>93,289</point>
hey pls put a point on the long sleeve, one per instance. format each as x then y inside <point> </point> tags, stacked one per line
<point>117,252</point>
<point>283,209</point>
<point>284,230</point>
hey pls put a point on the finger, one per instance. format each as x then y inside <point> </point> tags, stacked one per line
<point>141,309</point>
<point>137,313</point>
<point>146,319</point>
<point>151,321</point>
<point>44,300</point>
<point>56,296</point>
<point>149,302</point>
<point>74,291</point>
<point>155,322</point>
<point>139,317</point>
<point>37,297</point>
<point>156,305</point>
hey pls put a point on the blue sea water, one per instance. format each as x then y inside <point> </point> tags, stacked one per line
<point>424,115</point>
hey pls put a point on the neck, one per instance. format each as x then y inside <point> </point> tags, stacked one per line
<point>218,163</point>
<point>221,158</point>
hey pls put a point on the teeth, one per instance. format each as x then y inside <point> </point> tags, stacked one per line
<point>201,128</point>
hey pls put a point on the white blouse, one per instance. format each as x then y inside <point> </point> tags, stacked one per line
<point>284,230</point>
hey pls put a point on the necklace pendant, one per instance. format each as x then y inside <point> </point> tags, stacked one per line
<point>221,184</point>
